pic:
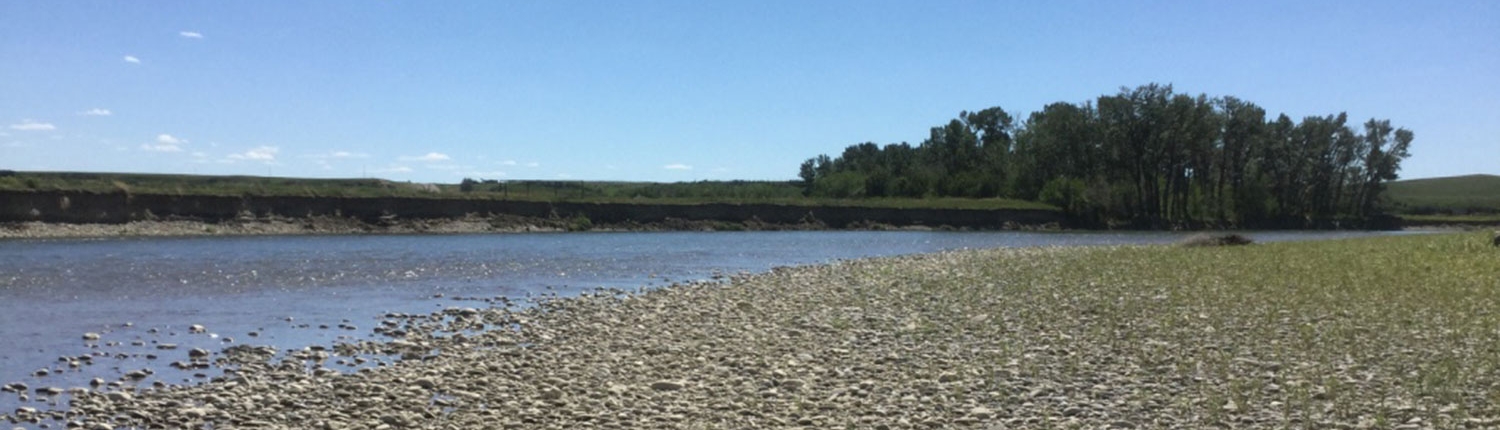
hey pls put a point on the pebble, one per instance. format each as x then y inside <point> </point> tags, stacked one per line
<point>49,391</point>
<point>981,413</point>
<point>667,385</point>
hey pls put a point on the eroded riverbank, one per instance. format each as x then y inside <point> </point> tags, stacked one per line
<point>318,225</point>
<point>1380,332</point>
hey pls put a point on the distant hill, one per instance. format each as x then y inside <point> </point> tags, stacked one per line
<point>1448,195</point>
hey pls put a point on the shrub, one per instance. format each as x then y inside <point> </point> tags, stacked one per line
<point>580,222</point>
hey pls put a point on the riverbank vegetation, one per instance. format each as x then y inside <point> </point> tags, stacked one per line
<point>1147,155</point>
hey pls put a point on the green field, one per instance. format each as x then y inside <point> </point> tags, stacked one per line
<point>685,193</point>
<point>1454,195</point>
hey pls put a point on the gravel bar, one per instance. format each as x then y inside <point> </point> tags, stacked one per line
<point>1017,338</point>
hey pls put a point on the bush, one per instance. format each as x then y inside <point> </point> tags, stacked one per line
<point>840,185</point>
<point>580,222</point>
<point>1066,193</point>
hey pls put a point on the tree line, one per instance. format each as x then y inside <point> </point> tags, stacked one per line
<point>1146,155</point>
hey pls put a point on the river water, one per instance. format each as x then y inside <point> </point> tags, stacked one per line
<point>297,291</point>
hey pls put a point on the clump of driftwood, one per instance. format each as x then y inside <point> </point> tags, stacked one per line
<point>1205,239</point>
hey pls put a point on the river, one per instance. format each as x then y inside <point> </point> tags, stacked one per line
<point>297,291</point>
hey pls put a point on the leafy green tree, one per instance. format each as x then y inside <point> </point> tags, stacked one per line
<point>1146,155</point>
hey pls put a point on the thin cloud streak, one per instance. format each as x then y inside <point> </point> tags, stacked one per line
<point>169,139</point>
<point>429,157</point>
<point>259,153</point>
<point>164,143</point>
<point>29,125</point>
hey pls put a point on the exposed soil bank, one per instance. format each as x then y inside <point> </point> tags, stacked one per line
<point>319,225</point>
<point>37,214</point>
<point>82,214</point>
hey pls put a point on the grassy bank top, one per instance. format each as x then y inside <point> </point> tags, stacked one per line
<point>682,193</point>
<point>1467,194</point>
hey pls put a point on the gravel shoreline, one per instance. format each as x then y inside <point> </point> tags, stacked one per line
<point>969,339</point>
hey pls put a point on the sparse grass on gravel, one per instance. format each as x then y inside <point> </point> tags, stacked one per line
<point>1392,332</point>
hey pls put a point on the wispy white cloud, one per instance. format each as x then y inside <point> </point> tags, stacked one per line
<point>190,34</point>
<point>29,125</point>
<point>96,112</point>
<point>429,157</point>
<point>132,60</point>
<point>160,147</point>
<point>259,153</point>
<point>508,163</point>
<point>347,154</point>
<point>169,139</point>
<point>164,143</point>
<point>337,155</point>
<point>677,166</point>
<point>533,164</point>
<point>564,176</point>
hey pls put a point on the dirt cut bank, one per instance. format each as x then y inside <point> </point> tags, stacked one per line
<point>117,208</point>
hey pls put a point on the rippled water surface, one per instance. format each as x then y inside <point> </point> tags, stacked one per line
<point>141,293</point>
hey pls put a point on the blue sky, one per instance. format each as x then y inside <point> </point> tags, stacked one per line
<point>689,90</point>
